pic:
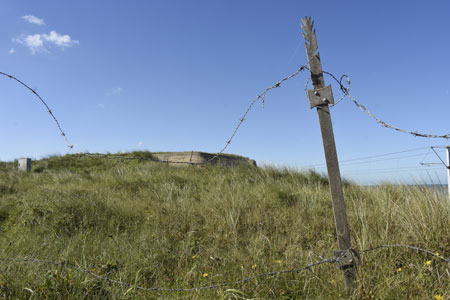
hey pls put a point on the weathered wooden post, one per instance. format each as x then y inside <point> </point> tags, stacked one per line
<point>24,164</point>
<point>320,97</point>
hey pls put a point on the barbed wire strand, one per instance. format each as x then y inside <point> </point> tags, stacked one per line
<point>69,145</point>
<point>384,124</point>
<point>346,93</point>
<point>435,254</point>
<point>213,286</point>
<point>209,287</point>
<point>261,96</point>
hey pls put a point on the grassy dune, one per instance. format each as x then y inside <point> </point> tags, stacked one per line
<point>154,225</point>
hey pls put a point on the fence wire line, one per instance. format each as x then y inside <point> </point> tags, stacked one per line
<point>346,93</point>
<point>213,286</point>
<point>138,287</point>
<point>69,145</point>
<point>261,96</point>
<point>409,247</point>
<point>384,124</point>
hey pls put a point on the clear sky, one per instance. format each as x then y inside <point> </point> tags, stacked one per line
<point>178,75</point>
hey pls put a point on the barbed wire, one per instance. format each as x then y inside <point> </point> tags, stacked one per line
<point>261,96</point>
<point>66,264</point>
<point>160,289</point>
<point>384,124</point>
<point>69,145</point>
<point>346,93</point>
<point>435,254</point>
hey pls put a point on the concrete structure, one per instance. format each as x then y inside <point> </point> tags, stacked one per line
<point>196,157</point>
<point>24,164</point>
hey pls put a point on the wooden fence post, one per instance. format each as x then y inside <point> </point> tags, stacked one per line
<point>320,97</point>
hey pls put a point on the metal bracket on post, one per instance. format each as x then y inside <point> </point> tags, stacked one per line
<point>320,97</point>
<point>346,258</point>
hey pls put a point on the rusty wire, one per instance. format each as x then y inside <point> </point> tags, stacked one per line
<point>66,264</point>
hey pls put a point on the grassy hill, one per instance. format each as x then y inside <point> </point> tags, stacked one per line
<point>154,225</point>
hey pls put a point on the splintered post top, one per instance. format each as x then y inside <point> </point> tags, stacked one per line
<point>315,66</point>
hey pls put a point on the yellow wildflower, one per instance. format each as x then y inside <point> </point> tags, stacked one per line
<point>205,275</point>
<point>194,256</point>
<point>428,262</point>
<point>253,266</point>
<point>439,297</point>
<point>437,254</point>
<point>399,269</point>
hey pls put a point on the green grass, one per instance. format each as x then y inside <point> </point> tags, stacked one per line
<point>155,225</point>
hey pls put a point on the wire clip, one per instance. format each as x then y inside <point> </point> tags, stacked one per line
<point>346,258</point>
<point>320,97</point>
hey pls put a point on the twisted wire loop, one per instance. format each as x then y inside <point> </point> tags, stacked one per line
<point>345,90</point>
<point>69,145</point>
<point>66,264</point>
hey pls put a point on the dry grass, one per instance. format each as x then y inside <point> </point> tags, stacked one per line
<point>150,224</point>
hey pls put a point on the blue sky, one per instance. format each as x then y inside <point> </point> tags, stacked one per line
<point>178,75</point>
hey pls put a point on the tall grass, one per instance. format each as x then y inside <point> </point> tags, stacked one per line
<point>154,225</point>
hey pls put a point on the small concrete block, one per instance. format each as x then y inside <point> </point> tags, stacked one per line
<point>24,164</point>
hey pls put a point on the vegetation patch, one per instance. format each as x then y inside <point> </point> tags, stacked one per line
<point>150,224</point>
